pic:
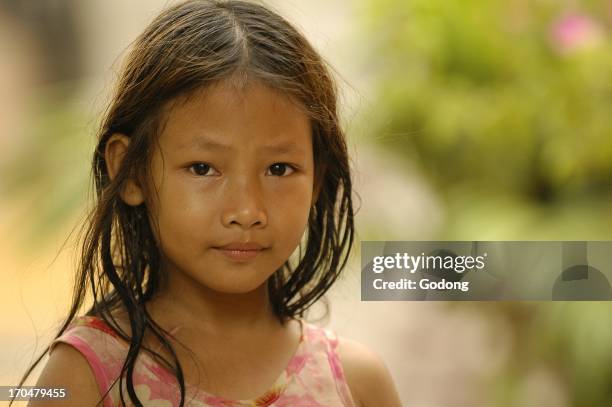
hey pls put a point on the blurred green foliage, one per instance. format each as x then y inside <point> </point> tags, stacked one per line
<point>576,338</point>
<point>506,108</point>
<point>505,98</point>
<point>48,173</point>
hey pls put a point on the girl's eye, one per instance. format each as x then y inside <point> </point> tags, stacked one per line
<point>279,169</point>
<point>200,169</point>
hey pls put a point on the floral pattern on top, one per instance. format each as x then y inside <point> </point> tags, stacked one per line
<point>313,377</point>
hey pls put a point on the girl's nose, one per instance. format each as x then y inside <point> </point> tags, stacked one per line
<point>244,205</point>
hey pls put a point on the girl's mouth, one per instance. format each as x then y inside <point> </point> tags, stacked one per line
<point>239,255</point>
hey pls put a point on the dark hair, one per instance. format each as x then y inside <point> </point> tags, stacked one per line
<point>188,47</point>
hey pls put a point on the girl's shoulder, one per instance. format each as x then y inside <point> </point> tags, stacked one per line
<point>367,375</point>
<point>340,367</point>
<point>90,336</point>
<point>98,343</point>
<point>105,353</point>
<point>78,364</point>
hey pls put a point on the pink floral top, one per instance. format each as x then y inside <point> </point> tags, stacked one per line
<point>313,377</point>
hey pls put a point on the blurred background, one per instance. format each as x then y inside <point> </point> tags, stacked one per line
<point>467,120</point>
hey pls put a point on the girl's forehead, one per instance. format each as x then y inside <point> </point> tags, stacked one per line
<point>238,94</point>
<point>223,113</point>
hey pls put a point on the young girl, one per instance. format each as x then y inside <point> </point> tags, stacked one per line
<point>223,213</point>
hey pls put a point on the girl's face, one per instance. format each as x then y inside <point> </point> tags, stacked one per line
<point>232,166</point>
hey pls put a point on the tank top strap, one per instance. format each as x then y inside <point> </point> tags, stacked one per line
<point>323,345</point>
<point>100,347</point>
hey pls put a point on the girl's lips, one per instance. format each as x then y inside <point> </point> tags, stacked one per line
<point>239,255</point>
<point>242,246</point>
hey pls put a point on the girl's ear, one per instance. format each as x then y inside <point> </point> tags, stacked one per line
<point>116,146</point>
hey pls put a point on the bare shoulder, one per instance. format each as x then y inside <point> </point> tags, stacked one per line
<point>367,375</point>
<point>68,369</point>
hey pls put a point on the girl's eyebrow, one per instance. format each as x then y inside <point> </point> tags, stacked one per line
<point>201,143</point>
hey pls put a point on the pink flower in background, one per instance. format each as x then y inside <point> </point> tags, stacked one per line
<point>574,32</point>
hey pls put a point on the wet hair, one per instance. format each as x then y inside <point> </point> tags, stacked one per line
<point>189,47</point>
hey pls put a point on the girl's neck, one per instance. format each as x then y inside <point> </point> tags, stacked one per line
<point>183,302</point>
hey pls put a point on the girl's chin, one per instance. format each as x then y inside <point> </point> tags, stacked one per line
<point>238,289</point>
<point>235,280</point>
